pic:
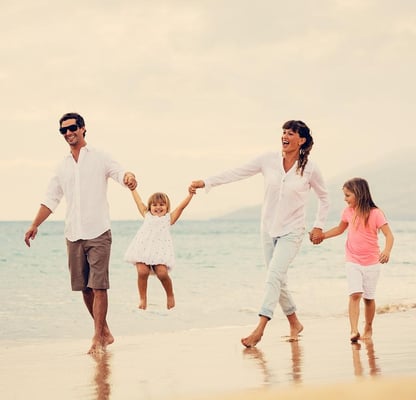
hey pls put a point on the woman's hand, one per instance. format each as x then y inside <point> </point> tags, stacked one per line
<point>198,184</point>
<point>316,236</point>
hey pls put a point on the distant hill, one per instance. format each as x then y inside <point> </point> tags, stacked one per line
<point>392,184</point>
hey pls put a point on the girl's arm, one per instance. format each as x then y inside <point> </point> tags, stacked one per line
<point>176,213</point>
<point>335,231</point>
<point>139,202</point>
<point>385,254</point>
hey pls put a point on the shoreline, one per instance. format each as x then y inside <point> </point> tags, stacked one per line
<point>204,363</point>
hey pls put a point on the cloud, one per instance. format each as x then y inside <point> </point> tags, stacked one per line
<point>194,87</point>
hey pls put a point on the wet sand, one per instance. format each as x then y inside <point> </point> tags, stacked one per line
<point>211,363</point>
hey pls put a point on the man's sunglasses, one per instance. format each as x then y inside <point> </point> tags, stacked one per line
<point>72,128</point>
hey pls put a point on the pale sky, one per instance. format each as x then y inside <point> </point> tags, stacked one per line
<point>179,90</point>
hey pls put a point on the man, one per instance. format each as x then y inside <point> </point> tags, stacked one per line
<point>82,178</point>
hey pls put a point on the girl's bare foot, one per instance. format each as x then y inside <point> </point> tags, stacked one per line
<point>294,332</point>
<point>170,302</point>
<point>368,334</point>
<point>143,304</point>
<point>252,339</point>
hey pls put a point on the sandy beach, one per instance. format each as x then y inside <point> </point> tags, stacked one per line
<point>211,363</point>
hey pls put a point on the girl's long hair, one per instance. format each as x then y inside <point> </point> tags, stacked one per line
<point>365,203</point>
<point>304,132</point>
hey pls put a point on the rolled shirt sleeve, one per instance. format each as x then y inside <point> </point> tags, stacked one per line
<point>285,192</point>
<point>84,185</point>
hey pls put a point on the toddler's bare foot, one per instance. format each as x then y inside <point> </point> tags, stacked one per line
<point>252,339</point>
<point>294,332</point>
<point>170,302</point>
<point>143,304</point>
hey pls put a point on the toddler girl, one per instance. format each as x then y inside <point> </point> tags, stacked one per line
<point>151,250</point>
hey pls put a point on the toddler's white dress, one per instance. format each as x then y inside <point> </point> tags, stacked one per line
<point>152,243</point>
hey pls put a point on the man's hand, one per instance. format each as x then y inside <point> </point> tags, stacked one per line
<point>130,180</point>
<point>30,235</point>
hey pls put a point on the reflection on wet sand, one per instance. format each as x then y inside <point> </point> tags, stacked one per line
<point>268,378</point>
<point>101,382</point>
<point>296,362</point>
<point>374,369</point>
<point>257,355</point>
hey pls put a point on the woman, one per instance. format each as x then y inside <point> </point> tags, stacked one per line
<point>288,177</point>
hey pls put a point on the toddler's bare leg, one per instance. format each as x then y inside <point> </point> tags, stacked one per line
<point>143,272</point>
<point>163,275</point>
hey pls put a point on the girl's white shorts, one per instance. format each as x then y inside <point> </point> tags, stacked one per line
<point>362,279</point>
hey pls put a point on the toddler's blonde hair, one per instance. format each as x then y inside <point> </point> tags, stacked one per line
<point>158,197</point>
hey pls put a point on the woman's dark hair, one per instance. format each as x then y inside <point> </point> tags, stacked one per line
<point>302,129</point>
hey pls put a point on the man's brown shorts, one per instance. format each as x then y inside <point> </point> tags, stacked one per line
<point>88,262</point>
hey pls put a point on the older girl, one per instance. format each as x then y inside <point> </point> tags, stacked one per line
<point>363,256</point>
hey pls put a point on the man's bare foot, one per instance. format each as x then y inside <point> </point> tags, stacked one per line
<point>108,339</point>
<point>294,332</point>
<point>97,346</point>
<point>96,350</point>
<point>252,339</point>
<point>143,304</point>
<point>170,302</point>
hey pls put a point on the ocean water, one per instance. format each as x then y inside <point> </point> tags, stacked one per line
<point>218,281</point>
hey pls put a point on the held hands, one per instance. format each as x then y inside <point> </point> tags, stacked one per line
<point>198,184</point>
<point>195,185</point>
<point>130,180</point>
<point>316,236</point>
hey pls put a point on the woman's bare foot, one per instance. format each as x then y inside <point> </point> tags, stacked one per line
<point>170,302</point>
<point>143,304</point>
<point>295,327</point>
<point>252,339</point>
<point>255,336</point>
<point>294,332</point>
